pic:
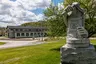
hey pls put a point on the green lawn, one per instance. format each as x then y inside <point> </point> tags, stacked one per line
<point>38,54</point>
<point>1,43</point>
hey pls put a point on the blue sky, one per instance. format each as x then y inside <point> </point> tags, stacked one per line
<point>57,1</point>
<point>12,0</point>
<point>16,12</point>
<point>40,10</point>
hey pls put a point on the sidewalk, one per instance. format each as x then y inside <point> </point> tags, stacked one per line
<point>12,44</point>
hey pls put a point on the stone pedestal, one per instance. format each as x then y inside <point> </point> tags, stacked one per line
<point>78,55</point>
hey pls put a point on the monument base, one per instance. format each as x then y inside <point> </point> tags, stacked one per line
<point>78,55</point>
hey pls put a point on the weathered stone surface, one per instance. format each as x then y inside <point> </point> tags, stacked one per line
<point>78,49</point>
<point>72,55</point>
<point>78,42</point>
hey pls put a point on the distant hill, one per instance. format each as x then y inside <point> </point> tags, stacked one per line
<point>36,24</point>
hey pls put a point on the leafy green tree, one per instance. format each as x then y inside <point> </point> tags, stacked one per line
<point>56,25</point>
<point>2,31</point>
<point>90,13</point>
<point>56,20</point>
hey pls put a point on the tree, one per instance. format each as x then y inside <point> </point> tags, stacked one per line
<point>90,13</point>
<point>2,31</point>
<point>55,21</point>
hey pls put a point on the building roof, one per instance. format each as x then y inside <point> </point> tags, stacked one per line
<point>26,27</point>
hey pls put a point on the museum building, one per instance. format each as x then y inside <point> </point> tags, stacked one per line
<point>26,32</point>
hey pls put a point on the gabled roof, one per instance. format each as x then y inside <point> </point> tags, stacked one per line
<point>26,27</point>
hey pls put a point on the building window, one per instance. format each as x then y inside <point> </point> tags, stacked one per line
<point>41,34</point>
<point>29,29</point>
<point>31,34</point>
<point>11,29</point>
<point>16,29</point>
<point>40,29</point>
<point>18,34</point>
<point>21,29</point>
<point>38,34</point>
<point>27,34</point>
<point>45,34</point>
<point>22,34</point>
<point>35,34</point>
<point>26,29</point>
<point>37,30</point>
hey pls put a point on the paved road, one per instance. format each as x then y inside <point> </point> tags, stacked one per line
<point>11,44</point>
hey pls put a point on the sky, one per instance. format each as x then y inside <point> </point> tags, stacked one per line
<point>17,12</point>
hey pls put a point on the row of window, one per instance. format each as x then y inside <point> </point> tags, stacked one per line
<point>27,29</point>
<point>29,34</point>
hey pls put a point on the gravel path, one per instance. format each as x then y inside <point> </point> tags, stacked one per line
<point>12,44</point>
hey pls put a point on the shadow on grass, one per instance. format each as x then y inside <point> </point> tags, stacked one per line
<point>95,47</point>
<point>55,49</point>
<point>66,63</point>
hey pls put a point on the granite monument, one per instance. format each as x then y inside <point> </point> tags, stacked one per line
<point>78,49</point>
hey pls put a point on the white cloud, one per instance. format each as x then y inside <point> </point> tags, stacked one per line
<point>60,6</point>
<point>33,4</point>
<point>19,11</point>
<point>40,17</point>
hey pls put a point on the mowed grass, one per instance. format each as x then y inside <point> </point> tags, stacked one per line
<point>39,54</point>
<point>1,43</point>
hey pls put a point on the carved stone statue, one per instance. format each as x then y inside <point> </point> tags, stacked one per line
<point>76,41</point>
<point>74,20</point>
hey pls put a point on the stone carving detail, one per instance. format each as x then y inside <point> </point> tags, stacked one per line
<point>77,49</point>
